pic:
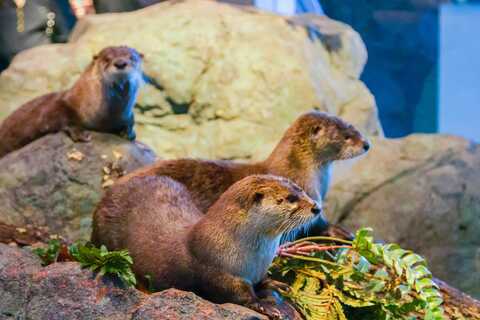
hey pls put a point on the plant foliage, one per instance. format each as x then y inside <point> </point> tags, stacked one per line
<point>330,281</point>
<point>49,254</point>
<point>118,263</point>
<point>101,260</point>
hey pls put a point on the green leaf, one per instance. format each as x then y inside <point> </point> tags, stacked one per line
<point>116,263</point>
<point>49,254</point>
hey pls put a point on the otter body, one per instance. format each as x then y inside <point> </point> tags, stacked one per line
<point>304,155</point>
<point>219,255</point>
<point>102,99</point>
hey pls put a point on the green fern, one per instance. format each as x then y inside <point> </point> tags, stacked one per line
<point>326,278</point>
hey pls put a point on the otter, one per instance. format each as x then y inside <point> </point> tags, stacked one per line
<point>102,99</point>
<point>220,255</point>
<point>304,155</point>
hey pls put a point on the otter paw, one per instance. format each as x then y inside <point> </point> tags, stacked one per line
<point>270,284</point>
<point>129,135</point>
<point>268,309</point>
<point>78,135</point>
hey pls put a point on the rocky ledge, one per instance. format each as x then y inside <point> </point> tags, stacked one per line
<point>65,291</point>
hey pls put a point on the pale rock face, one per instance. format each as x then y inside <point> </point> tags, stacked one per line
<point>232,79</point>
<point>423,192</point>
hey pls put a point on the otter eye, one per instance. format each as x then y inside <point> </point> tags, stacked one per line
<point>316,130</point>
<point>348,138</point>
<point>279,201</point>
<point>292,198</point>
<point>257,197</point>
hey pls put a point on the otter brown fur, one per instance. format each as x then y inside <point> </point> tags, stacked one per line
<point>102,99</point>
<point>219,255</point>
<point>304,155</point>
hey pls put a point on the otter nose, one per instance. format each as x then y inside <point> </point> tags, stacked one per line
<point>316,210</point>
<point>366,145</point>
<point>120,63</point>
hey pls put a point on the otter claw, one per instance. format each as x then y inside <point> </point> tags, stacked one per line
<point>270,284</point>
<point>267,309</point>
<point>78,135</point>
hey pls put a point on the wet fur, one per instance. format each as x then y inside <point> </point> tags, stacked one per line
<point>304,155</point>
<point>220,255</point>
<point>95,102</point>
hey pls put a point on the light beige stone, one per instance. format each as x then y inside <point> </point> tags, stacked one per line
<point>243,75</point>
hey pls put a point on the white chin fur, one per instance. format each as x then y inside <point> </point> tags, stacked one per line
<point>123,76</point>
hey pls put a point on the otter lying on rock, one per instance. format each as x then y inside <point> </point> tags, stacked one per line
<point>304,155</point>
<point>219,255</point>
<point>102,99</point>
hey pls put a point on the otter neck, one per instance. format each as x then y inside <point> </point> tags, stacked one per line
<point>296,161</point>
<point>94,97</point>
<point>120,96</point>
<point>245,250</point>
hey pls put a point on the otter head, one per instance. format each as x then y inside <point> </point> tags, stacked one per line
<point>328,137</point>
<point>275,205</point>
<point>119,64</point>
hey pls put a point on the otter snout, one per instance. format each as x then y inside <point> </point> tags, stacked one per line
<point>120,63</point>
<point>316,210</point>
<point>366,145</point>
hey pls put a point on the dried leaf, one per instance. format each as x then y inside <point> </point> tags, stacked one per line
<point>75,155</point>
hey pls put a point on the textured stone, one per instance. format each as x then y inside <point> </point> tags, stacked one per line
<point>422,192</point>
<point>45,183</point>
<point>175,304</point>
<point>65,291</point>
<point>16,269</point>
<point>232,78</point>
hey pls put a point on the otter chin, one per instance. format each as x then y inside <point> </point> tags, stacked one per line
<point>220,255</point>
<point>102,99</point>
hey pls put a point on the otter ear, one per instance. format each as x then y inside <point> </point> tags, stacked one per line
<point>257,197</point>
<point>316,129</point>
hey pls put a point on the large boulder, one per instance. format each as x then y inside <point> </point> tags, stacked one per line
<point>65,291</point>
<point>228,79</point>
<point>57,183</point>
<point>422,192</point>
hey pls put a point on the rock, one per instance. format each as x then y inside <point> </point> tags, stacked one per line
<point>16,270</point>
<point>57,183</point>
<point>175,304</point>
<point>229,80</point>
<point>65,291</point>
<point>422,192</point>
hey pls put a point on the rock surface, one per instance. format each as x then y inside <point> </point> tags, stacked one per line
<point>422,192</point>
<point>57,183</point>
<point>65,291</point>
<point>232,78</point>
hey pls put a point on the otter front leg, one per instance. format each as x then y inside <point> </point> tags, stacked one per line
<point>77,134</point>
<point>224,287</point>
<point>128,132</point>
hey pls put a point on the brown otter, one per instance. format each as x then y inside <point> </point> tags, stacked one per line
<point>102,99</point>
<point>304,155</point>
<point>220,255</point>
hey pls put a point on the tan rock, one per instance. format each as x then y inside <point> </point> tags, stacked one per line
<point>422,192</point>
<point>233,78</point>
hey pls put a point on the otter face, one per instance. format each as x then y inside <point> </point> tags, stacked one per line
<point>119,64</point>
<point>330,137</point>
<point>278,205</point>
